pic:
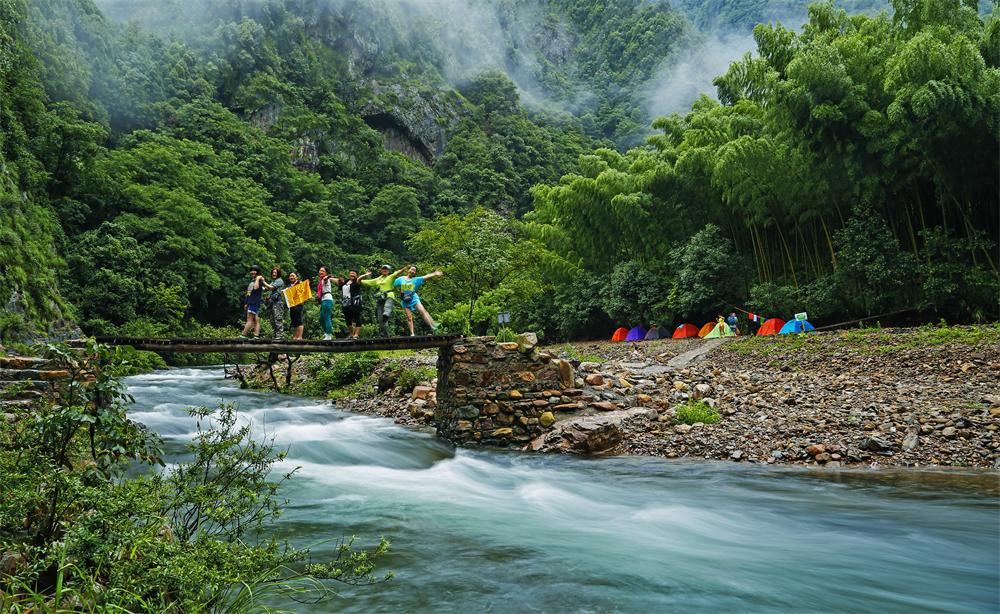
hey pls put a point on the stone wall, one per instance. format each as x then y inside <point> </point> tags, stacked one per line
<point>502,394</point>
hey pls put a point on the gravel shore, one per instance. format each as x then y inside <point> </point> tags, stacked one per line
<point>876,397</point>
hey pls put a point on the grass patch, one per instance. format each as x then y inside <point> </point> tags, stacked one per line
<point>875,340</point>
<point>696,411</point>
<point>576,354</point>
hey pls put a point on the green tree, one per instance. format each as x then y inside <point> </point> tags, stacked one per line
<point>708,274</point>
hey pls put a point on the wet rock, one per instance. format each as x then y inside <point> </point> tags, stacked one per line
<point>589,434</point>
<point>567,379</point>
<point>527,342</point>
<point>949,432</point>
<point>816,448</point>
<point>594,379</point>
<point>876,445</point>
<point>546,419</point>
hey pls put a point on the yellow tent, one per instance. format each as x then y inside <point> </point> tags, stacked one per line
<point>297,294</point>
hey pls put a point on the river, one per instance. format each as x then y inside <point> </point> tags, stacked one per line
<point>485,530</point>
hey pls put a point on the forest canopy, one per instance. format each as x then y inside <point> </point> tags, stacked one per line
<point>153,151</point>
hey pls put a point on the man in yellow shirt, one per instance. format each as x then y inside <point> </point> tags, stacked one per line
<point>384,299</point>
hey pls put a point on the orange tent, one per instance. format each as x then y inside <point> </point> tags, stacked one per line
<point>620,334</point>
<point>771,327</point>
<point>707,329</point>
<point>685,330</point>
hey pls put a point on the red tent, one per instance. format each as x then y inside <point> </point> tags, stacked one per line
<point>707,329</point>
<point>685,330</point>
<point>771,327</point>
<point>620,334</point>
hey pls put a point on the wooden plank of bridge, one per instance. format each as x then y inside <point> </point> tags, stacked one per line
<point>266,346</point>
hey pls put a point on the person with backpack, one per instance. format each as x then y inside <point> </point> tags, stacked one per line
<point>384,299</point>
<point>324,296</point>
<point>276,303</point>
<point>350,302</point>
<point>410,300</point>
<point>732,321</point>
<point>252,301</point>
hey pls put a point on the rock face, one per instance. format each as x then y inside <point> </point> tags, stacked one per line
<point>413,122</point>
<point>498,393</point>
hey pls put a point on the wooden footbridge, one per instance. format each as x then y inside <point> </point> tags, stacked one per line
<point>281,346</point>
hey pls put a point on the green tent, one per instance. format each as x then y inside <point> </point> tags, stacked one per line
<point>721,330</point>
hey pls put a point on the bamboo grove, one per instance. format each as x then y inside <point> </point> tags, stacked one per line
<point>851,166</point>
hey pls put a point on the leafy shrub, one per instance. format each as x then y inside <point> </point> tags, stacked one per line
<point>696,411</point>
<point>328,373</point>
<point>193,538</point>
<point>408,378</point>
<point>129,361</point>
<point>506,335</point>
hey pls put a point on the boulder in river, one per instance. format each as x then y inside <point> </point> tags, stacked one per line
<point>591,434</point>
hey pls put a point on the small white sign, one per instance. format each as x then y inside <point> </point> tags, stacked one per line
<point>801,317</point>
<point>503,318</point>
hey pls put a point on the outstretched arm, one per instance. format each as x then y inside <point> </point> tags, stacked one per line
<point>365,275</point>
<point>434,274</point>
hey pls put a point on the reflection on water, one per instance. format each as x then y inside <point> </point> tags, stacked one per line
<point>478,530</point>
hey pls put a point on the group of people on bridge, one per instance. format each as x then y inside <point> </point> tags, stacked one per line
<point>388,286</point>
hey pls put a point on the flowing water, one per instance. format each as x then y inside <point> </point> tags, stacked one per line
<point>482,530</point>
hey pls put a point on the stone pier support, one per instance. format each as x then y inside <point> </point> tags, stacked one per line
<point>501,394</point>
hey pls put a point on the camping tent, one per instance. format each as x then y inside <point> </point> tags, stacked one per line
<point>770,327</point>
<point>685,330</point>
<point>653,334</point>
<point>720,330</point>
<point>636,334</point>
<point>796,326</point>
<point>706,329</point>
<point>620,334</point>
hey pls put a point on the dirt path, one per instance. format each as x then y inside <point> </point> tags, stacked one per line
<point>692,357</point>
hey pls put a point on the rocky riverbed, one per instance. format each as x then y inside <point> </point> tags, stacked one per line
<point>878,397</point>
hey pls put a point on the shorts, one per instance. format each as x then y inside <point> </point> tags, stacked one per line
<point>296,316</point>
<point>253,308</point>
<point>352,315</point>
<point>411,304</point>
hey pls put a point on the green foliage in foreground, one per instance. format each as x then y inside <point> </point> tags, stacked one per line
<point>696,411</point>
<point>87,534</point>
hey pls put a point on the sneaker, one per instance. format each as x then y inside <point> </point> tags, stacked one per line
<point>436,327</point>
<point>327,337</point>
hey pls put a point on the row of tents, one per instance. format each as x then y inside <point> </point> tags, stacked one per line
<point>711,330</point>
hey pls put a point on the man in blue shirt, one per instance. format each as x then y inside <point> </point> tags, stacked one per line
<point>407,287</point>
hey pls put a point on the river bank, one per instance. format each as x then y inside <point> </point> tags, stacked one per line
<point>868,397</point>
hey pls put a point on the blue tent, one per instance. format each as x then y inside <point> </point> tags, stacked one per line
<point>636,334</point>
<point>796,326</point>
